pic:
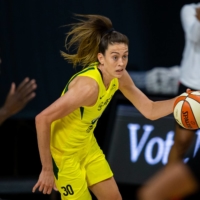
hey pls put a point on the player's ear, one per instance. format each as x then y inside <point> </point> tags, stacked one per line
<point>100,58</point>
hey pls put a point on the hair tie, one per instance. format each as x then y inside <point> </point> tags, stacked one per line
<point>109,31</point>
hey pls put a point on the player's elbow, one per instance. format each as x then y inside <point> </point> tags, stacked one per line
<point>38,119</point>
<point>151,116</point>
<point>151,112</point>
<point>41,118</point>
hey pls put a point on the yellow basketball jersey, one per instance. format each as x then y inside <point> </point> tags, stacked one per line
<point>74,131</point>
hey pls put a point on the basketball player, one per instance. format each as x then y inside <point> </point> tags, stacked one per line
<point>174,182</point>
<point>189,74</point>
<point>69,152</point>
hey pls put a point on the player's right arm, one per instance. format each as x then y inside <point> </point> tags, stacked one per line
<point>83,91</point>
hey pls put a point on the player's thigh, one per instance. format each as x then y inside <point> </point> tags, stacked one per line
<point>183,136</point>
<point>100,176</point>
<point>73,189</point>
<point>71,181</point>
<point>96,166</point>
<point>106,190</point>
<point>174,180</point>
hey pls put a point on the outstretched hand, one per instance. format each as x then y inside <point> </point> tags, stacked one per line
<point>17,98</point>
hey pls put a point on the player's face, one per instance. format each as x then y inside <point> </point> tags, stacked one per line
<point>115,59</point>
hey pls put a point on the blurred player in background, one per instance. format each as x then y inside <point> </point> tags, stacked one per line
<point>179,180</point>
<point>189,74</point>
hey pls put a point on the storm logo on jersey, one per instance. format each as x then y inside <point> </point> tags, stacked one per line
<point>104,103</point>
<point>92,124</point>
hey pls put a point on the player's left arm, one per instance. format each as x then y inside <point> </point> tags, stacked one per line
<point>150,109</point>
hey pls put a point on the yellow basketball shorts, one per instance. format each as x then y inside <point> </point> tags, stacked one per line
<point>80,170</point>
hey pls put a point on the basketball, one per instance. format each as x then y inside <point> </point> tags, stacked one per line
<point>187,110</point>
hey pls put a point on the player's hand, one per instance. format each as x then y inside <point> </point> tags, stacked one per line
<point>198,13</point>
<point>188,90</point>
<point>45,183</point>
<point>17,98</point>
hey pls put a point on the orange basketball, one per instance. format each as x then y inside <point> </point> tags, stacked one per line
<point>187,110</point>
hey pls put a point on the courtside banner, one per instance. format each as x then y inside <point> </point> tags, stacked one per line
<point>139,147</point>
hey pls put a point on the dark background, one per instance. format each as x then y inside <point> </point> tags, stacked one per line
<point>32,33</point>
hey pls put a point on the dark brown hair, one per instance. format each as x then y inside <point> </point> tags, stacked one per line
<point>89,36</point>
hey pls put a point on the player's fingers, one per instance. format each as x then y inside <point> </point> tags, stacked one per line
<point>26,87</point>
<point>45,189</point>
<point>49,190</point>
<point>41,187</point>
<point>35,187</point>
<point>26,99</point>
<point>12,89</point>
<point>23,83</point>
<point>29,89</point>
<point>55,188</point>
<point>28,94</point>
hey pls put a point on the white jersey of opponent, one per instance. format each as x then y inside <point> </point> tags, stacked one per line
<point>190,64</point>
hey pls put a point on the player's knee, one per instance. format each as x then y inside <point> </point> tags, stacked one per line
<point>182,145</point>
<point>142,194</point>
<point>145,193</point>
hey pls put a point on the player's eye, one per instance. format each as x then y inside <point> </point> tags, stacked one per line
<point>125,56</point>
<point>115,57</point>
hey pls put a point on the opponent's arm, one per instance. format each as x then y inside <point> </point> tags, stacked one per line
<point>17,98</point>
<point>83,91</point>
<point>190,21</point>
<point>198,13</point>
<point>150,109</point>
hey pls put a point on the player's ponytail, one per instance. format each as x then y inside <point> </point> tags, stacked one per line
<point>89,36</point>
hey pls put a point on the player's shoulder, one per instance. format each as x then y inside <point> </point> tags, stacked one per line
<point>125,77</point>
<point>84,83</point>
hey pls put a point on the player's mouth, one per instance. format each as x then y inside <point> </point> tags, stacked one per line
<point>119,70</point>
